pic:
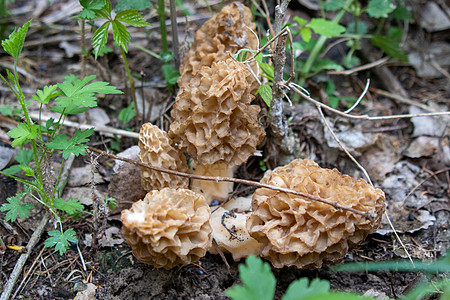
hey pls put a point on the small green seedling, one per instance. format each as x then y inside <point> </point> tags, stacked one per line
<point>72,96</point>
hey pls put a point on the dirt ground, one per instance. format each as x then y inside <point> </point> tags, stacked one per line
<point>409,158</point>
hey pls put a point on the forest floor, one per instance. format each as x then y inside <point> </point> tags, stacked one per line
<point>408,158</point>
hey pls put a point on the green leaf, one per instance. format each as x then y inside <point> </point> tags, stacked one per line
<point>89,8</point>
<point>60,240</point>
<point>100,37</point>
<point>79,93</point>
<point>121,35</point>
<point>44,96</point>
<point>22,134</point>
<point>305,32</point>
<point>266,93</point>
<point>267,69</point>
<point>111,202</point>
<point>104,50</point>
<point>170,74</point>
<point>14,208</point>
<point>6,110</point>
<point>258,280</point>
<point>301,289</point>
<point>60,142</point>
<point>332,5</point>
<point>326,64</point>
<point>132,4</point>
<point>71,207</point>
<point>23,157</point>
<point>14,43</point>
<point>390,47</point>
<point>10,75</point>
<point>380,8</point>
<point>28,171</point>
<point>403,13</point>
<point>326,28</point>
<point>302,22</point>
<point>132,17</point>
<point>336,296</point>
<point>127,114</point>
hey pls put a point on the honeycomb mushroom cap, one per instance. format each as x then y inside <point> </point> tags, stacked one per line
<point>213,120</point>
<point>157,149</point>
<point>225,33</point>
<point>168,227</point>
<point>297,232</point>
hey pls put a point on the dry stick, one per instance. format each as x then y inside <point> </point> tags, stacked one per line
<point>174,27</point>
<point>28,272</point>
<point>401,99</point>
<point>360,68</point>
<point>363,117</point>
<point>34,238</point>
<point>422,182</point>
<point>236,180</point>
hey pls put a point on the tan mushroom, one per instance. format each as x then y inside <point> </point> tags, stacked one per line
<point>229,231</point>
<point>297,232</point>
<point>213,119</point>
<point>225,33</point>
<point>168,227</point>
<point>157,149</point>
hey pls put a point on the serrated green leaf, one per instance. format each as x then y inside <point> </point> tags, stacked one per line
<point>326,28</point>
<point>104,50</point>
<point>60,142</point>
<point>60,240</point>
<point>23,157</point>
<point>305,32</point>
<point>89,8</point>
<point>22,134</point>
<point>266,93</point>
<point>44,96</point>
<point>100,37</point>
<point>79,93</point>
<point>132,17</point>
<point>258,280</point>
<point>389,46</point>
<point>121,35</point>
<point>72,206</point>
<point>10,75</point>
<point>14,43</point>
<point>170,74</point>
<point>332,5</point>
<point>28,171</point>
<point>380,8</point>
<point>300,21</point>
<point>301,289</point>
<point>15,208</point>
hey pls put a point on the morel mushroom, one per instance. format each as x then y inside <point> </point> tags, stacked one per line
<point>229,231</point>
<point>298,232</point>
<point>225,33</point>
<point>213,119</point>
<point>168,227</point>
<point>156,149</point>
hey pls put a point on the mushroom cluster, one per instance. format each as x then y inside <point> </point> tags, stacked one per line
<point>225,33</point>
<point>168,227</point>
<point>294,231</point>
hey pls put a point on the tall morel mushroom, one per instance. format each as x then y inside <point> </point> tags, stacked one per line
<point>157,149</point>
<point>168,227</point>
<point>298,232</point>
<point>213,119</point>
<point>225,33</point>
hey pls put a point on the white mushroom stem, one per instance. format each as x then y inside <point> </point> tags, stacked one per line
<point>212,190</point>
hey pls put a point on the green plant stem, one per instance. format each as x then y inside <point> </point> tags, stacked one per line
<point>162,26</point>
<point>320,42</point>
<point>130,78</point>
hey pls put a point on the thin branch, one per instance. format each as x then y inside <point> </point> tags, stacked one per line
<point>236,180</point>
<point>174,27</point>
<point>363,117</point>
<point>379,62</point>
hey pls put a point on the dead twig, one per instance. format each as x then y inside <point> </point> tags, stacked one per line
<point>237,180</point>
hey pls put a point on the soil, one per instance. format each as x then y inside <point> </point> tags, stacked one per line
<point>414,175</point>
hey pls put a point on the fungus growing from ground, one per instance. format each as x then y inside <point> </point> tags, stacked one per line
<point>298,232</point>
<point>229,231</point>
<point>214,121</point>
<point>168,227</point>
<point>157,149</point>
<point>225,33</point>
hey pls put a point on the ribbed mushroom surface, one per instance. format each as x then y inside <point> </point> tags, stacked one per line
<point>225,33</point>
<point>213,120</point>
<point>298,232</point>
<point>168,227</point>
<point>157,149</point>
